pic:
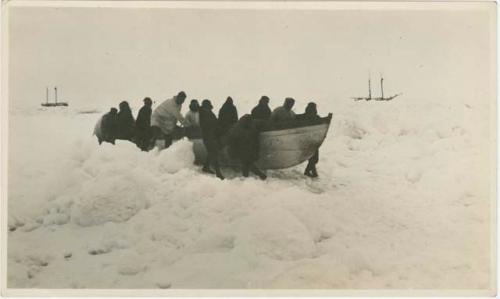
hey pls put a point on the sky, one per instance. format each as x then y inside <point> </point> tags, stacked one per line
<point>100,56</point>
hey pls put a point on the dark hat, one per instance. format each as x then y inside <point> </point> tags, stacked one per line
<point>180,97</point>
<point>311,108</point>
<point>181,94</point>
<point>206,104</point>
<point>289,103</point>
<point>246,121</point>
<point>147,100</point>
<point>124,105</point>
<point>194,105</point>
<point>264,100</point>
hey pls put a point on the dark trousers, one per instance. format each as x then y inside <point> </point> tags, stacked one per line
<point>247,166</point>
<point>106,138</point>
<point>143,138</point>
<point>311,165</point>
<point>157,133</point>
<point>212,156</point>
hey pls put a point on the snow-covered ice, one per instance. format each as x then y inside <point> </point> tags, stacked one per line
<point>403,201</point>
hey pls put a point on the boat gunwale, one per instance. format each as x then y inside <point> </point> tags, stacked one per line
<point>297,126</point>
<point>319,127</point>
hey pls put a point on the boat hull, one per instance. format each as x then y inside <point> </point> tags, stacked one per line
<point>279,149</point>
<point>58,104</point>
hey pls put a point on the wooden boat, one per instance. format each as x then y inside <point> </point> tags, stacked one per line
<point>281,146</point>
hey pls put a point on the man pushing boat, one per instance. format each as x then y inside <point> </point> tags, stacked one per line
<point>165,117</point>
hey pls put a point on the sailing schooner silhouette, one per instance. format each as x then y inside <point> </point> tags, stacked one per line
<point>56,103</point>
<point>382,98</point>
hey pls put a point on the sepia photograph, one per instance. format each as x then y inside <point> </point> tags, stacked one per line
<point>273,147</point>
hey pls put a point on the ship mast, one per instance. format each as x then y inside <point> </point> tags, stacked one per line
<point>369,88</point>
<point>47,95</point>
<point>55,88</point>
<point>382,86</point>
<point>381,98</point>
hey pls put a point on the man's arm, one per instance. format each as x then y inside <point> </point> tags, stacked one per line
<point>179,117</point>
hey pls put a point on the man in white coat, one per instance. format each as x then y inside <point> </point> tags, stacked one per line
<point>165,117</point>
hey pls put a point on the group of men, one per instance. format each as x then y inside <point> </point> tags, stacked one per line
<point>240,134</point>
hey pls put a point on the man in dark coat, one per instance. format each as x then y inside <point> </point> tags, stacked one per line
<point>143,125</point>
<point>228,116</point>
<point>210,134</point>
<point>262,110</point>
<point>126,123</point>
<point>311,114</point>
<point>244,145</point>
<point>106,127</point>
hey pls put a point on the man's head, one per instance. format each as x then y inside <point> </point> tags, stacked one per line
<point>206,104</point>
<point>148,102</point>
<point>113,111</point>
<point>289,102</point>
<point>194,105</point>
<point>180,97</point>
<point>264,100</point>
<point>124,106</point>
<point>311,109</point>
<point>229,101</point>
<point>246,121</point>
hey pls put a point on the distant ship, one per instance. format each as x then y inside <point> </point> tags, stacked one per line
<point>382,98</point>
<point>56,103</point>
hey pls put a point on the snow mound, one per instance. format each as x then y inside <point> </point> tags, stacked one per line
<point>277,234</point>
<point>112,199</point>
<point>178,157</point>
<point>115,182</point>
